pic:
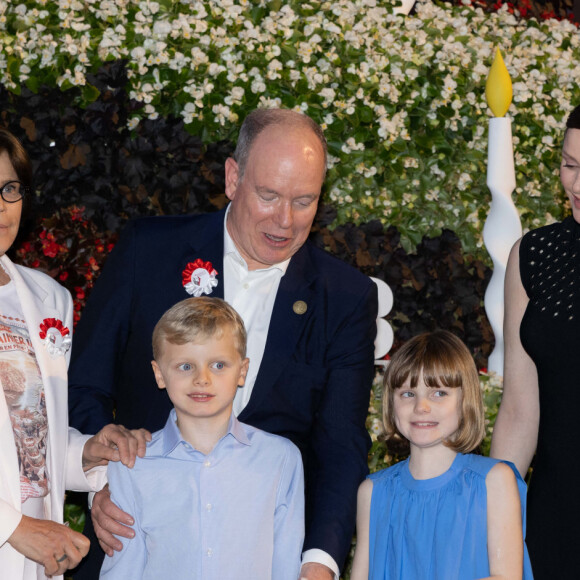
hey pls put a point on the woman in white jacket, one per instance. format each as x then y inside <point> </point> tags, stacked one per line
<point>40,456</point>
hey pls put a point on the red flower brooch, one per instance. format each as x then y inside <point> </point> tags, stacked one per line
<point>199,278</point>
<point>55,335</point>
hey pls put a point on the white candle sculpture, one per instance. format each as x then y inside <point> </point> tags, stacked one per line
<point>405,7</point>
<point>502,227</point>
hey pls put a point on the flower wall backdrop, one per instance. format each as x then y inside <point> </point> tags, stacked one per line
<point>401,98</point>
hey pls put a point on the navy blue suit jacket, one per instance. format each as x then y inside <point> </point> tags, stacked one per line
<point>314,381</point>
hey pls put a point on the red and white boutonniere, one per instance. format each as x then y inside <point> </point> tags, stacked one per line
<point>56,336</point>
<point>199,278</point>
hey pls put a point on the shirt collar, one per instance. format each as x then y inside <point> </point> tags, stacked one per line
<point>172,436</point>
<point>230,249</point>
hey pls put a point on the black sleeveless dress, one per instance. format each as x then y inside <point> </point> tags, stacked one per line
<point>550,333</point>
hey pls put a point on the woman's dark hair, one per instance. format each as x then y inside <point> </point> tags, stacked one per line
<point>573,121</point>
<point>17,155</point>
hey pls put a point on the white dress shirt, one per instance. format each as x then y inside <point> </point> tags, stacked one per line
<point>252,294</point>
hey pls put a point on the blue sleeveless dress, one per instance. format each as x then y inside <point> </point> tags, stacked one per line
<point>433,529</point>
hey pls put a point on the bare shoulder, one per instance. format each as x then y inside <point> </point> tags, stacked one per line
<point>365,490</point>
<point>514,257</point>
<point>501,478</point>
<point>363,499</point>
<point>516,247</point>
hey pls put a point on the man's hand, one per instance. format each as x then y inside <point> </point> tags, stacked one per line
<point>115,443</point>
<point>108,519</point>
<point>314,571</point>
<point>54,546</point>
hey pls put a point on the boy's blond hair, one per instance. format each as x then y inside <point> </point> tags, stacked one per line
<point>445,362</point>
<point>196,319</point>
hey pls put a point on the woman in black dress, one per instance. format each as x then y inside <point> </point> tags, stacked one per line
<point>540,410</point>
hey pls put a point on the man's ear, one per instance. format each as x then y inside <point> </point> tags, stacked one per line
<point>158,375</point>
<point>232,174</point>
<point>243,372</point>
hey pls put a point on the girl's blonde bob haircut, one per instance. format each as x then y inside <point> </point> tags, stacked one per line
<point>445,362</point>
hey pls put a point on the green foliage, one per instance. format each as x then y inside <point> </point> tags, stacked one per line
<point>401,98</point>
<point>491,385</point>
<point>69,248</point>
<point>74,512</point>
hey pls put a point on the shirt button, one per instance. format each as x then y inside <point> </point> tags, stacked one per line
<point>207,463</point>
<point>246,286</point>
<point>209,552</point>
<point>208,507</point>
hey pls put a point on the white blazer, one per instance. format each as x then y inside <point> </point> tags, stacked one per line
<point>41,297</point>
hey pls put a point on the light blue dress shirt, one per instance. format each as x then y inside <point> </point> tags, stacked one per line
<point>235,514</point>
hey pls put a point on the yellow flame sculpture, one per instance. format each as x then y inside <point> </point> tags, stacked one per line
<point>498,89</point>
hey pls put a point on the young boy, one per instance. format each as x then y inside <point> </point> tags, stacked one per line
<point>213,499</point>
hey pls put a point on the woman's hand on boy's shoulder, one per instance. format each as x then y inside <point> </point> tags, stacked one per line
<point>115,443</point>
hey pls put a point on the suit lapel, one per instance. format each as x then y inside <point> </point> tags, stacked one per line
<point>32,299</point>
<point>207,243</point>
<point>286,325</point>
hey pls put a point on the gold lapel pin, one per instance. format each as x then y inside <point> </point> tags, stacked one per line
<point>300,307</point>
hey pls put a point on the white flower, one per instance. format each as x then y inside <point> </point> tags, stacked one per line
<point>238,93</point>
<point>449,87</point>
<point>258,86</point>
<point>328,95</point>
<point>138,53</point>
<point>161,28</point>
<point>336,60</point>
<point>464,179</point>
<point>273,67</point>
<point>269,103</point>
<point>198,56</point>
<point>235,97</point>
<point>548,140</point>
<point>215,69</point>
<point>352,145</point>
<point>149,7</point>
<point>436,171</point>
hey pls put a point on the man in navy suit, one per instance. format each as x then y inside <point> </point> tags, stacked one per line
<point>311,322</point>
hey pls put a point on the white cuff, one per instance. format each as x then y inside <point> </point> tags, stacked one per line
<point>321,557</point>
<point>9,520</point>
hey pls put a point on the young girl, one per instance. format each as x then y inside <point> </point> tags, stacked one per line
<point>440,514</point>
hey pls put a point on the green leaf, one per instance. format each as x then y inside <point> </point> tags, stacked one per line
<point>33,84</point>
<point>90,93</point>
